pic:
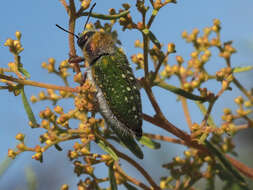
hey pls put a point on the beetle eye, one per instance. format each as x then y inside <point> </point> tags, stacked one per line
<point>83,39</point>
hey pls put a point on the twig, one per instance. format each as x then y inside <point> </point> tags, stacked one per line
<point>72,22</point>
<point>164,138</point>
<point>140,169</point>
<point>247,171</point>
<point>151,19</point>
<point>208,112</point>
<point>131,179</point>
<point>186,112</point>
<point>63,2</point>
<point>152,99</point>
<point>240,127</point>
<point>105,17</point>
<point>145,54</point>
<point>131,161</point>
<point>238,84</point>
<point>39,84</point>
<point>175,131</point>
<point>159,65</point>
<point>240,166</point>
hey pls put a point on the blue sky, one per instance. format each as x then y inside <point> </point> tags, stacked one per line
<point>41,39</point>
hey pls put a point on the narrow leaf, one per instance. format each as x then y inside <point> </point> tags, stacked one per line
<point>28,108</point>
<point>31,179</point>
<point>24,72</point>
<point>149,142</point>
<point>226,163</point>
<point>180,91</point>
<point>107,149</point>
<point>106,17</point>
<point>4,165</point>
<point>112,178</point>
<point>228,178</point>
<point>242,69</point>
<point>152,37</point>
<point>58,147</point>
<point>129,186</point>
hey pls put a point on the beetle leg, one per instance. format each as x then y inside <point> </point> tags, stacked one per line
<point>84,78</point>
<point>76,60</point>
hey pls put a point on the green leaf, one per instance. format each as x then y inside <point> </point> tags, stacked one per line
<point>227,166</point>
<point>31,179</point>
<point>149,142</point>
<point>228,178</point>
<point>58,147</point>
<point>180,91</point>
<point>24,72</point>
<point>4,165</point>
<point>231,186</point>
<point>129,142</point>
<point>106,17</point>
<point>242,69</point>
<point>112,178</point>
<point>28,109</point>
<point>107,149</point>
<point>210,185</point>
<point>129,186</point>
<point>152,37</point>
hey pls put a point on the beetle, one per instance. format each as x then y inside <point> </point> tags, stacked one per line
<point>118,96</point>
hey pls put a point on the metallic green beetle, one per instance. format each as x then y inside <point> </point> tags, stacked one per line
<point>109,71</point>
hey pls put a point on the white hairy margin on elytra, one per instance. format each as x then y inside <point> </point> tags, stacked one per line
<point>104,109</point>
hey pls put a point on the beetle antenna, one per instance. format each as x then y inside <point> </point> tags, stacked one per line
<point>67,31</point>
<point>89,15</point>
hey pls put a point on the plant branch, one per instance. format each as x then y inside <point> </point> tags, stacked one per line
<point>246,93</point>
<point>63,2</point>
<point>247,171</point>
<point>131,161</point>
<point>137,166</point>
<point>105,17</point>
<point>39,84</point>
<point>72,22</point>
<point>186,112</point>
<point>164,138</point>
<point>145,53</point>
<point>166,125</point>
<point>151,19</point>
<point>240,166</point>
<point>131,179</point>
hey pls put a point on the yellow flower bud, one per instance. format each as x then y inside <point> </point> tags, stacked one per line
<point>9,42</point>
<point>20,137</point>
<point>216,22</point>
<point>58,109</point>
<point>45,124</point>
<point>179,59</point>
<point>64,187</point>
<point>11,153</point>
<point>51,61</point>
<point>171,48</point>
<point>184,34</point>
<point>18,35</point>
<point>33,99</point>
<point>85,4</point>
<point>239,100</point>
